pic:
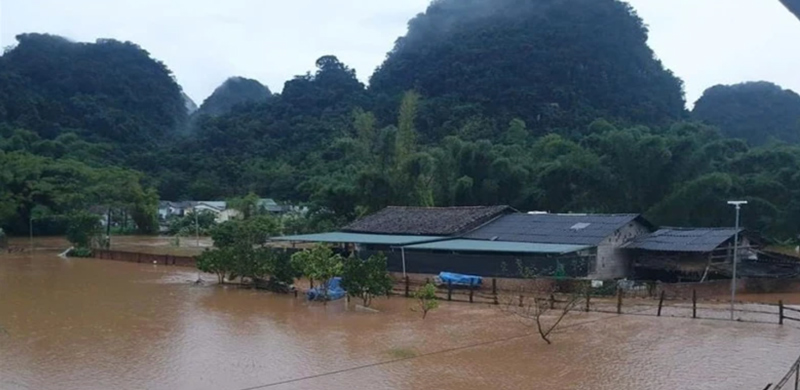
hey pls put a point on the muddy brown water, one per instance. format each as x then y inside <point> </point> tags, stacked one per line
<point>97,325</point>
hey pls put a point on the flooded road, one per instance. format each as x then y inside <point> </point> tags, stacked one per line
<point>97,325</point>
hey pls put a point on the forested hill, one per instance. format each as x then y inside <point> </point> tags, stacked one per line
<point>554,105</point>
<point>552,63</point>
<point>108,91</point>
<point>755,111</point>
<point>234,91</point>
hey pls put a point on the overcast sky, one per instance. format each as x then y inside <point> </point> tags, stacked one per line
<point>705,42</point>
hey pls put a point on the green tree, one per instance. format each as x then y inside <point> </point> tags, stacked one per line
<point>366,279</point>
<point>83,229</point>
<point>426,299</point>
<point>217,261</point>
<point>320,264</point>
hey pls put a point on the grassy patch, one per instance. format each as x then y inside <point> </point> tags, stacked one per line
<point>402,353</point>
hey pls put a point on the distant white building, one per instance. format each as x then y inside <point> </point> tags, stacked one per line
<point>219,208</point>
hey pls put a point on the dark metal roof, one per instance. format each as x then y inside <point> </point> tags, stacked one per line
<point>461,245</point>
<point>577,229</point>
<point>433,221</point>
<point>358,238</point>
<point>683,239</point>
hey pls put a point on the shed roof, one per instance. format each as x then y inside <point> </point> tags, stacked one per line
<point>358,238</point>
<point>683,239</point>
<point>576,229</point>
<point>435,221</point>
<point>462,245</point>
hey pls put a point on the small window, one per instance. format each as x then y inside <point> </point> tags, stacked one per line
<point>580,226</point>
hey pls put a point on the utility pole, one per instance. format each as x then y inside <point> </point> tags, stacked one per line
<point>30,230</point>
<point>196,226</point>
<point>738,204</point>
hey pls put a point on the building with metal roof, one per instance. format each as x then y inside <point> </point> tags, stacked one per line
<point>605,233</point>
<point>579,229</point>
<point>684,239</point>
<point>432,221</point>
<point>688,254</point>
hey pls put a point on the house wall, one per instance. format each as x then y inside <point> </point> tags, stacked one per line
<point>612,262</point>
<point>481,264</point>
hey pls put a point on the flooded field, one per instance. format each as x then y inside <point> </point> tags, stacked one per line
<point>93,324</point>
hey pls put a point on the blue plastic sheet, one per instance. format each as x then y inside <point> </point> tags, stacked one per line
<point>459,279</point>
<point>335,291</point>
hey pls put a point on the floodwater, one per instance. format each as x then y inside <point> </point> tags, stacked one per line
<point>98,325</point>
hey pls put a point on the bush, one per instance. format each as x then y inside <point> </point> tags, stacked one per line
<point>80,252</point>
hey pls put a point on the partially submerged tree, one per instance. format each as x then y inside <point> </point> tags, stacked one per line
<point>366,279</point>
<point>543,298</point>
<point>83,229</point>
<point>319,263</point>
<point>426,299</point>
<point>217,261</point>
<point>544,311</point>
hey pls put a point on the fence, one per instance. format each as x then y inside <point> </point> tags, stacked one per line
<point>613,300</point>
<point>136,257</point>
<point>794,371</point>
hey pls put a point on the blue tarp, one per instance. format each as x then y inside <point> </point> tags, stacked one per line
<point>459,279</point>
<point>335,291</point>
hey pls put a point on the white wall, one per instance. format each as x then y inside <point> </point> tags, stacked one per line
<point>612,262</point>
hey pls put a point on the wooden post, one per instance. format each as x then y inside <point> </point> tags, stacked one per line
<point>520,300</point>
<point>494,291</point>
<point>295,293</point>
<point>449,291</point>
<point>780,312</point>
<point>552,301</point>
<point>407,282</point>
<point>619,300</point>
<point>311,282</point>
<point>694,303</point>
<point>588,297</point>
<point>660,303</point>
<point>471,291</point>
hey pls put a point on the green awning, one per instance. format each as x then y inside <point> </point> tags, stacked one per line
<point>461,245</point>
<point>359,238</point>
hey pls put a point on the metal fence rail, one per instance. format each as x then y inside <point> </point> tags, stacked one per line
<point>794,371</point>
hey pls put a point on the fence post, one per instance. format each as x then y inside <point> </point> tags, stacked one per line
<point>780,312</point>
<point>619,300</point>
<point>449,291</point>
<point>552,301</point>
<point>407,295</point>
<point>311,282</point>
<point>660,303</point>
<point>520,300</point>
<point>588,297</point>
<point>694,303</point>
<point>494,290</point>
<point>471,292</point>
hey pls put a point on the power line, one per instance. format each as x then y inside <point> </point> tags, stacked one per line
<point>386,362</point>
<point>287,381</point>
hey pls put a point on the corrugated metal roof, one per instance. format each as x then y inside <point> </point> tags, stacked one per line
<point>683,239</point>
<point>358,238</point>
<point>577,229</point>
<point>434,221</point>
<point>461,245</point>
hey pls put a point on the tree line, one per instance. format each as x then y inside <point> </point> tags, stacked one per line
<point>557,105</point>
